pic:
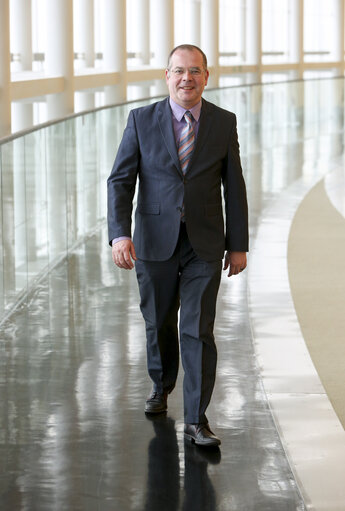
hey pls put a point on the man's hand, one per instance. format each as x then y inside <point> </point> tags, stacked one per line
<point>123,253</point>
<point>235,261</point>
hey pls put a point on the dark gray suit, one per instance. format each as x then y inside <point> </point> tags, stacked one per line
<point>180,264</point>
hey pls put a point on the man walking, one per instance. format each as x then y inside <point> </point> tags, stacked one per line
<point>183,150</point>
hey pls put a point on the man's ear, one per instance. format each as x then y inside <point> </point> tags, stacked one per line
<point>207,73</point>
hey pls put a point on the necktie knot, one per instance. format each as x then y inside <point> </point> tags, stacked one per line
<point>188,117</point>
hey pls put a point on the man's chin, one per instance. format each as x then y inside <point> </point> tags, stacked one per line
<point>187,93</point>
<point>188,97</point>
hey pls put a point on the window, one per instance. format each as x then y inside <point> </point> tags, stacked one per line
<point>232,32</point>
<point>320,30</point>
<point>275,25</point>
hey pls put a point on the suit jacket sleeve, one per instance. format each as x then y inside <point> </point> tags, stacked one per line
<point>121,183</point>
<point>236,207</point>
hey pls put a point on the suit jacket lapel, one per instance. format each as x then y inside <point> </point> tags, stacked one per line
<point>167,130</point>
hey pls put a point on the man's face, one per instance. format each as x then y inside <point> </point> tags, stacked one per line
<point>186,78</point>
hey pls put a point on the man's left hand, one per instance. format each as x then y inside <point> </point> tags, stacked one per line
<point>235,261</point>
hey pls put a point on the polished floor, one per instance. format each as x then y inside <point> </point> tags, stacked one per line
<point>73,382</point>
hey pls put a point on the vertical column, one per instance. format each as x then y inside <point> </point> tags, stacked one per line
<point>21,44</point>
<point>254,31</point>
<point>254,53</point>
<point>83,101</point>
<point>84,43</point>
<point>336,96</point>
<point>21,33</point>
<point>339,36</point>
<point>22,116</point>
<point>84,32</point>
<point>163,30</point>
<point>114,47</point>
<point>210,37</point>
<point>162,36</point>
<point>59,55</point>
<point>296,29</point>
<point>193,15</point>
<point>5,70</point>
<point>143,17</point>
<point>296,46</point>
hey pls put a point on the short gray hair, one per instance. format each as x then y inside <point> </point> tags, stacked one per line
<point>188,47</point>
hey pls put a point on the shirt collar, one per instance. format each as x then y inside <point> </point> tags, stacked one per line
<point>178,110</point>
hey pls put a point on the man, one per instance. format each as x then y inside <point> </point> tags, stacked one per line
<point>182,149</point>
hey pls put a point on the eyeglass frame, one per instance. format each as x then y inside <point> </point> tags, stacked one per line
<point>179,71</point>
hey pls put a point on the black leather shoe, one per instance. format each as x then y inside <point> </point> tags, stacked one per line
<point>200,434</point>
<point>157,402</point>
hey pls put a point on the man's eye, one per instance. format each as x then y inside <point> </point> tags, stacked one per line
<point>195,71</point>
<point>178,71</point>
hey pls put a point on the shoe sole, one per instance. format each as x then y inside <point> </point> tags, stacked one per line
<point>155,412</point>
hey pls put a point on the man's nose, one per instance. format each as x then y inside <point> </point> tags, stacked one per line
<point>187,74</point>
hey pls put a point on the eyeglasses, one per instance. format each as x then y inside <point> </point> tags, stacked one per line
<point>194,71</point>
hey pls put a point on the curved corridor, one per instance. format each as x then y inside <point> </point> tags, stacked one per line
<point>73,376</point>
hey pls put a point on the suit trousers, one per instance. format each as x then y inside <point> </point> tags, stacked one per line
<point>190,284</point>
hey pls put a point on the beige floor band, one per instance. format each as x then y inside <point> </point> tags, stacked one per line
<point>316,263</point>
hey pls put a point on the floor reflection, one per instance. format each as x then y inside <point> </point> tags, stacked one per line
<point>163,485</point>
<point>163,482</point>
<point>199,491</point>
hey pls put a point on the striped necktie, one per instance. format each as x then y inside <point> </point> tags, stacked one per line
<point>186,143</point>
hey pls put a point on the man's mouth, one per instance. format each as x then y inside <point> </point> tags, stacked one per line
<point>187,88</point>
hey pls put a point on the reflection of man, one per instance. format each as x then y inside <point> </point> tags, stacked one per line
<point>164,464</point>
<point>199,491</point>
<point>182,149</point>
<point>163,458</point>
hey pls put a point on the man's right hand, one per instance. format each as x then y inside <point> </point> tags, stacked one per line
<point>123,253</point>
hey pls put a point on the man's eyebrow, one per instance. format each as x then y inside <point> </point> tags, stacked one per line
<point>192,67</point>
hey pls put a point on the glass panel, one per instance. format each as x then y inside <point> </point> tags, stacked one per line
<point>72,232</point>
<point>14,259</point>
<point>53,193</point>
<point>56,191</point>
<point>19,194</point>
<point>86,179</point>
<point>53,180</point>
<point>1,243</point>
<point>36,203</point>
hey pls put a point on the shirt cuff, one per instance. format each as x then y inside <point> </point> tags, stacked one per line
<point>115,240</point>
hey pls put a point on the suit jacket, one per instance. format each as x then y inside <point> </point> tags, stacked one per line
<point>148,151</point>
